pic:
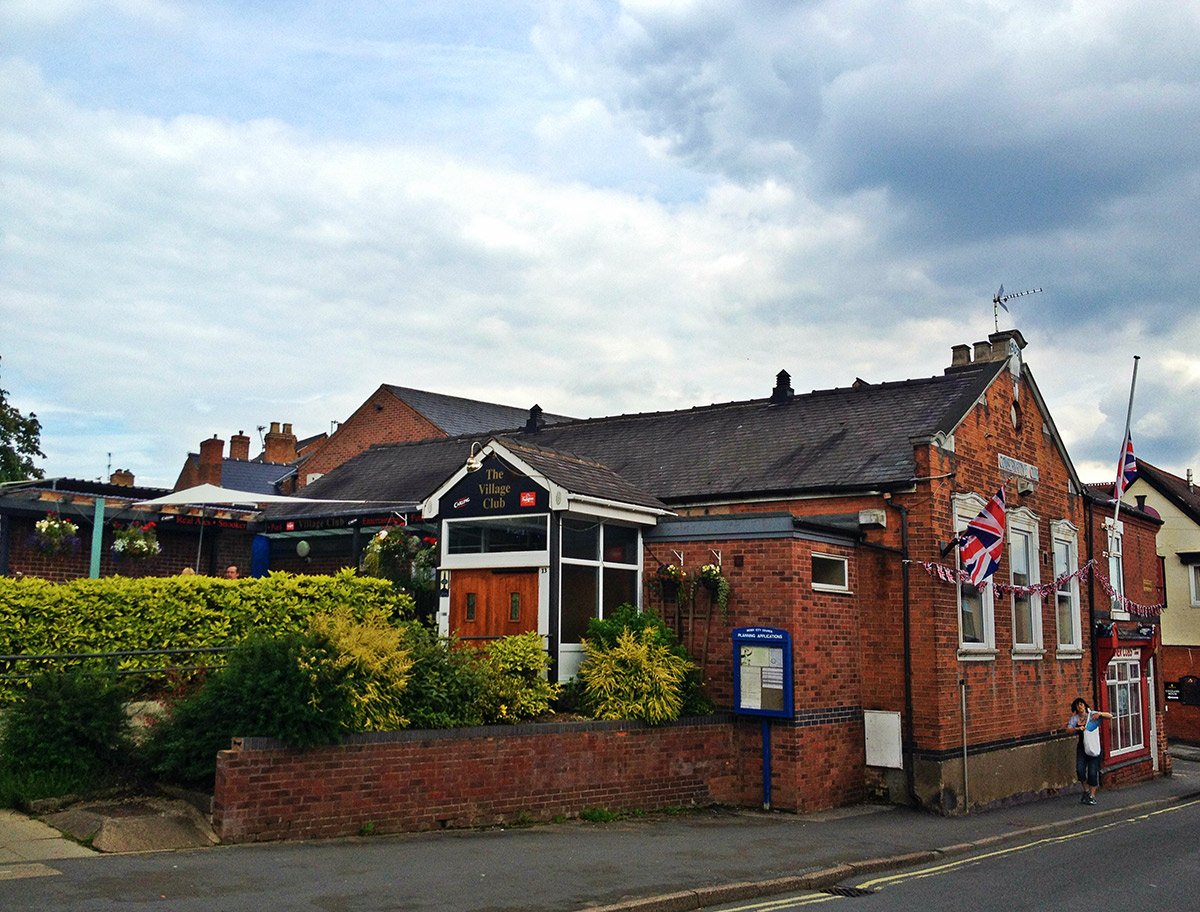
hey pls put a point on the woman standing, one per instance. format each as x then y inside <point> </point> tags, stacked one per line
<point>1087,766</point>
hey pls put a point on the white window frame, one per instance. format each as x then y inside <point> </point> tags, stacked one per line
<point>1116,570</point>
<point>1063,532</point>
<point>1127,731</point>
<point>599,564</point>
<point>1194,582</point>
<point>829,587</point>
<point>966,508</point>
<point>491,559</point>
<point>1023,528</point>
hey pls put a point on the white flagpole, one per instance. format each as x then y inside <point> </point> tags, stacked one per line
<point>1124,440</point>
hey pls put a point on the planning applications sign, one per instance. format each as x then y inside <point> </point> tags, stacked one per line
<point>762,672</point>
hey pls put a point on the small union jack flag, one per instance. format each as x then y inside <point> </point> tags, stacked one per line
<point>1127,472</point>
<point>983,542</point>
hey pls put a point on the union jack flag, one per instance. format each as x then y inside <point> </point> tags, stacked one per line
<point>983,542</point>
<point>1127,472</point>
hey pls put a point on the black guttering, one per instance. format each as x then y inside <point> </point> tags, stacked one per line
<point>833,530</point>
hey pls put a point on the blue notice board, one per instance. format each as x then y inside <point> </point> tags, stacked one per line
<point>762,672</point>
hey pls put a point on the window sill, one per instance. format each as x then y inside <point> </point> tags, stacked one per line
<point>1027,654</point>
<point>976,655</point>
<point>1073,652</point>
<point>821,587</point>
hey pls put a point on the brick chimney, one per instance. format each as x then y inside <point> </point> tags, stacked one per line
<point>122,478</point>
<point>279,446</point>
<point>239,446</point>
<point>212,454</point>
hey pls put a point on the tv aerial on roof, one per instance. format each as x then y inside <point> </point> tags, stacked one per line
<point>1000,299</point>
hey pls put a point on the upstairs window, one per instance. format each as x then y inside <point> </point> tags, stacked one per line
<point>1023,573</point>
<point>1066,592</point>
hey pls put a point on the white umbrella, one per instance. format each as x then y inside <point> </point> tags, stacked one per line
<point>211,495</point>
<point>214,495</point>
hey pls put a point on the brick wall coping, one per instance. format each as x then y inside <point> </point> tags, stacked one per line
<point>490,731</point>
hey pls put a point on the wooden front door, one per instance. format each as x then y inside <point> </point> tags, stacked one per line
<point>487,604</point>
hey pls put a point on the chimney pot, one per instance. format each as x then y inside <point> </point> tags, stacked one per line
<point>983,351</point>
<point>960,355</point>
<point>783,387</point>
<point>274,427</point>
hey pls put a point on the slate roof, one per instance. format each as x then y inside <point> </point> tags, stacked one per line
<point>258,477</point>
<point>1173,488</point>
<point>457,416</point>
<point>580,476</point>
<point>827,441</point>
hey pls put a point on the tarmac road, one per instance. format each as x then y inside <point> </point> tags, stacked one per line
<point>658,863</point>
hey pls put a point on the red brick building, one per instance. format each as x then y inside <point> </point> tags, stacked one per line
<point>833,517</point>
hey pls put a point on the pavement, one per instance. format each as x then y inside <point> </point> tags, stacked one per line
<point>659,863</point>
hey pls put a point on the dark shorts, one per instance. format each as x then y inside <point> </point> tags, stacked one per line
<point>1087,768</point>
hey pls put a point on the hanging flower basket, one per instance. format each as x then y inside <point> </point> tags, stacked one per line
<point>408,559</point>
<point>55,535</point>
<point>670,577</point>
<point>136,540</point>
<point>714,581</point>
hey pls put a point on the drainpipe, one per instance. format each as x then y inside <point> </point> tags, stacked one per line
<point>1089,537</point>
<point>907,747</point>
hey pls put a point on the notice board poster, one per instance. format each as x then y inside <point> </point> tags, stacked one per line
<point>762,671</point>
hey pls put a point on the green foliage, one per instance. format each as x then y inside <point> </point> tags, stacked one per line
<point>287,687</point>
<point>635,678</point>
<point>515,669</point>
<point>372,664</point>
<point>116,614</point>
<point>444,682</point>
<point>67,733</point>
<point>408,559</point>
<point>20,442</point>
<point>603,633</point>
<point>598,815</point>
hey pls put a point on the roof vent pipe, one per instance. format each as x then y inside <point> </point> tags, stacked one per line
<point>783,387</point>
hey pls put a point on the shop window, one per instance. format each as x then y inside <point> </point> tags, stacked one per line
<point>600,567</point>
<point>1023,573</point>
<point>1066,591</point>
<point>1124,678</point>
<point>976,618</point>
<point>496,536</point>
<point>830,574</point>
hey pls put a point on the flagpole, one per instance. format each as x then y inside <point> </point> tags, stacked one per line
<point>1124,439</point>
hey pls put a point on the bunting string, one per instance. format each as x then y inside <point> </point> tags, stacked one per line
<point>1046,590</point>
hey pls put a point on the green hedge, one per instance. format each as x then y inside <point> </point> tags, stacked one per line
<point>117,614</point>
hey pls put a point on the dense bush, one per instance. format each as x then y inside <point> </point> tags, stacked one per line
<point>515,685</point>
<point>68,731</point>
<point>445,682</point>
<point>371,664</point>
<point>117,614</point>
<point>603,633</point>
<point>634,678</point>
<point>287,687</point>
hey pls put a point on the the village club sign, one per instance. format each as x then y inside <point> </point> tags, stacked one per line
<point>494,489</point>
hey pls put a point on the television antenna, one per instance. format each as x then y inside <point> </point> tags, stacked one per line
<point>1000,298</point>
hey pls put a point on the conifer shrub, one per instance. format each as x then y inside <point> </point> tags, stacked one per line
<point>603,633</point>
<point>515,685</point>
<point>634,678</point>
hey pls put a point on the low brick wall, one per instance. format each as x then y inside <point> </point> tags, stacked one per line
<point>421,780</point>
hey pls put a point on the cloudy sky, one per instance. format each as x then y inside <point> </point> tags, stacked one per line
<point>215,215</point>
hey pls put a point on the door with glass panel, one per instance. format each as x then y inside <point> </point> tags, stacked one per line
<point>489,604</point>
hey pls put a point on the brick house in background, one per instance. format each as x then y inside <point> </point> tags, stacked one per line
<point>1177,501</point>
<point>398,414</point>
<point>268,473</point>
<point>831,514</point>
